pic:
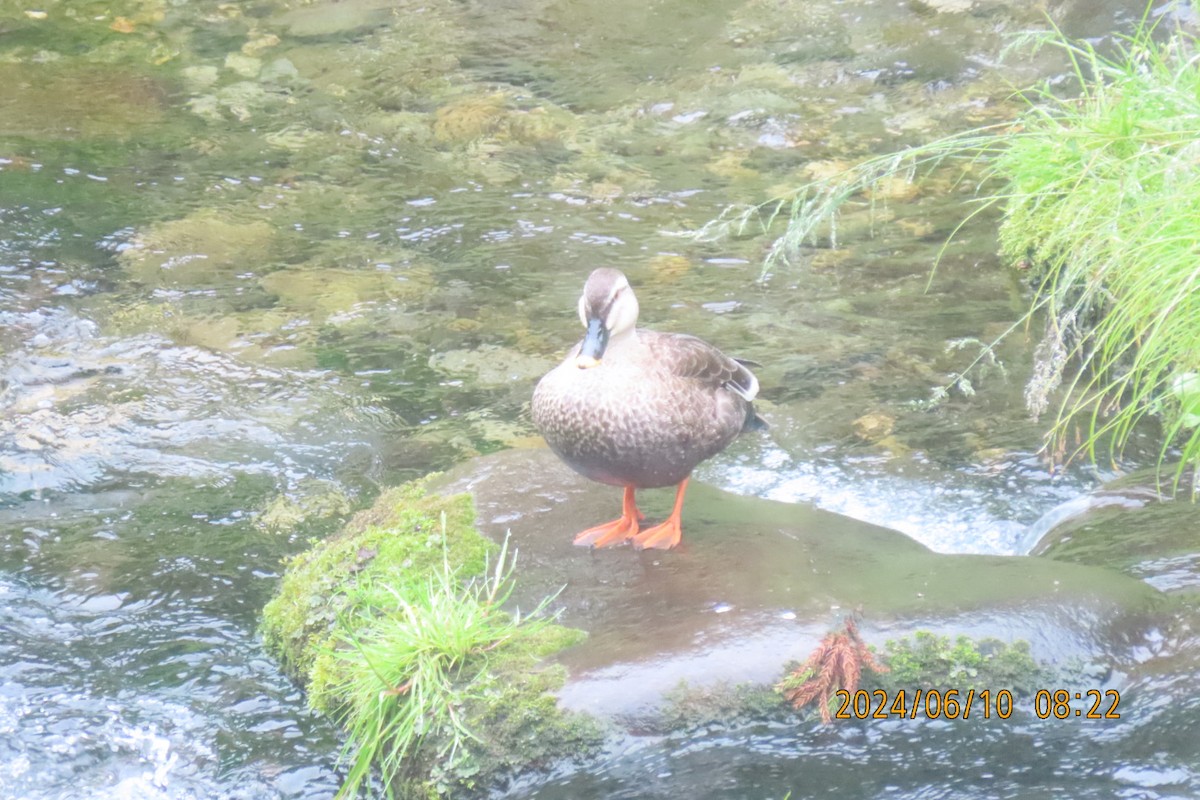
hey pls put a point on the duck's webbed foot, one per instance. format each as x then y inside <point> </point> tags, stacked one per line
<point>669,533</point>
<point>619,530</point>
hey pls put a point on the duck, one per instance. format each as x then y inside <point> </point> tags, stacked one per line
<point>640,409</point>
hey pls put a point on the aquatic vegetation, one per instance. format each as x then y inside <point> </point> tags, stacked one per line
<point>836,664</point>
<point>689,707</point>
<point>1099,194</point>
<point>470,118</point>
<point>199,249</point>
<point>398,627</point>
<point>929,661</point>
<point>312,501</point>
<point>923,661</point>
<point>91,104</point>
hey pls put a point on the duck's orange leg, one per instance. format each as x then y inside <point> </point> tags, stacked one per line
<point>666,535</point>
<point>617,531</point>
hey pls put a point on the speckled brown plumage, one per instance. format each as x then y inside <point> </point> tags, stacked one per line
<point>652,407</point>
<point>647,418</point>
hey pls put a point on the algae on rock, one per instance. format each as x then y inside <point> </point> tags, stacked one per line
<point>930,661</point>
<point>395,625</point>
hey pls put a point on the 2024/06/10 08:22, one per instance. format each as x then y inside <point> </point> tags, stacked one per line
<point>956,704</point>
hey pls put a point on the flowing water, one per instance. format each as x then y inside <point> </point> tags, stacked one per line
<point>260,259</point>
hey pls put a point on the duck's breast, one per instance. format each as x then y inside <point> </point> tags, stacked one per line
<point>632,424</point>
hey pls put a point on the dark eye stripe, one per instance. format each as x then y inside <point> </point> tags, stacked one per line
<point>604,312</point>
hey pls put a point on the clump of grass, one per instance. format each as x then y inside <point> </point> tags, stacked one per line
<point>408,669</point>
<point>395,543</point>
<point>1100,195</point>
<point>396,627</point>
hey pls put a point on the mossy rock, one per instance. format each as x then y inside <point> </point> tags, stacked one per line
<point>1132,530</point>
<point>924,663</point>
<point>470,118</point>
<point>312,501</point>
<point>927,660</point>
<point>689,707</point>
<point>321,292</point>
<point>202,249</point>
<point>88,102</point>
<point>396,542</point>
<point>386,560</point>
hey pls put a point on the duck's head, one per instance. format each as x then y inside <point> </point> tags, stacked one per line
<point>609,311</point>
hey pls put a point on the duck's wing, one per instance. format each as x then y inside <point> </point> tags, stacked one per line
<point>689,357</point>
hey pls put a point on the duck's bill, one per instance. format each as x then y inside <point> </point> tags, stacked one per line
<point>594,342</point>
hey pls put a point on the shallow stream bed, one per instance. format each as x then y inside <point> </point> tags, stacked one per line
<point>260,259</point>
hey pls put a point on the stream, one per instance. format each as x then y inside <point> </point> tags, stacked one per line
<point>260,260</point>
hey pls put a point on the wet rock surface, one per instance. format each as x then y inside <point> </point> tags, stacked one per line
<point>1130,525</point>
<point>757,583</point>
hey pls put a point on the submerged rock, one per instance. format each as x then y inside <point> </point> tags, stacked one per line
<point>874,427</point>
<point>87,102</point>
<point>470,118</point>
<point>324,291</point>
<point>491,365</point>
<point>340,18</point>
<point>313,500</point>
<point>197,250</point>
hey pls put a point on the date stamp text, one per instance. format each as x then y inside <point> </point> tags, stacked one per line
<point>963,704</point>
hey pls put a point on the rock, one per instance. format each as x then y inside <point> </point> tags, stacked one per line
<point>874,427</point>
<point>113,101</point>
<point>260,43</point>
<point>491,365</point>
<point>336,18</point>
<point>1129,526</point>
<point>398,615</point>
<point>946,6</point>
<point>279,71</point>
<point>244,65</point>
<point>322,292</point>
<point>198,78</point>
<point>313,500</point>
<point>470,118</point>
<point>198,250</point>
<point>244,98</point>
<point>757,583</point>
<point>894,188</point>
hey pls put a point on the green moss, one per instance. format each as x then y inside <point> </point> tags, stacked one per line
<point>690,707</point>
<point>525,728</point>
<point>929,661</point>
<point>395,626</point>
<point>395,543</point>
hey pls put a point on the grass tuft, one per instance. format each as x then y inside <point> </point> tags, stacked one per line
<point>397,627</point>
<point>410,666</point>
<point>1100,194</point>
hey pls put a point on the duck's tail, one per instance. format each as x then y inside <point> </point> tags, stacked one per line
<point>753,421</point>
